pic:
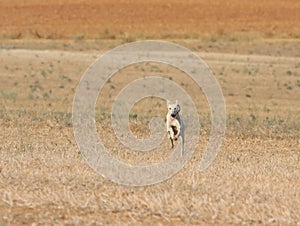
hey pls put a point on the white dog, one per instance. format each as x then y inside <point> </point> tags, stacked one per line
<point>174,124</point>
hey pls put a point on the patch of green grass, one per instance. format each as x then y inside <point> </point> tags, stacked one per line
<point>35,86</point>
<point>155,68</point>
<point>78,37</point>
<point>222,71</point>
<point>236,70</point>
<point>8,94</point>
<point>288,86</point>
<point>65,77</point>
<point>133,116</point>
<point>266,109</point>
<point>44,73</point>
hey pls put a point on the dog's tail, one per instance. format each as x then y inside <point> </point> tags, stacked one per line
<point>182,144</point>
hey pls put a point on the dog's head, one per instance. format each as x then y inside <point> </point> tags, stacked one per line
<point>173,109</point>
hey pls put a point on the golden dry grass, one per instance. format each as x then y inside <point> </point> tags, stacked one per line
<point>254,179</point>
<point>45,49</point>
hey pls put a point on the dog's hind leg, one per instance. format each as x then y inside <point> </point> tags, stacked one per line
<point>171,138</point>
<point>172,142</point>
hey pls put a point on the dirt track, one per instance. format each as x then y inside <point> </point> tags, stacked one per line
<point>112,19</point>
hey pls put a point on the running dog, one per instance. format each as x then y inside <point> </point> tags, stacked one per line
<point>174,124</point>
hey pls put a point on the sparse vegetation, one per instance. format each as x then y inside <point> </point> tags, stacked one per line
<point>254,136</point>
<point>254,180</point>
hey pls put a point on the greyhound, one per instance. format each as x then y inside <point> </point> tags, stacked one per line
<point>174,124</point>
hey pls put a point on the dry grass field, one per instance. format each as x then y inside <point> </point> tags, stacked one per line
<point>253,49</point>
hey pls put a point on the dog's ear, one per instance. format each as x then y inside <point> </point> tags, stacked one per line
<point>178,106</point>
<point>168,102</point>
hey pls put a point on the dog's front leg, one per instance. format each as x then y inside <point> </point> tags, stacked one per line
<point>171,136</point>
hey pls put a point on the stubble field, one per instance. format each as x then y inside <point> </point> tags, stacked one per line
<point>255,177</point>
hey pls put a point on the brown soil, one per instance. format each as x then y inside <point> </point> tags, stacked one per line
<point>111,19</point>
